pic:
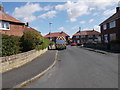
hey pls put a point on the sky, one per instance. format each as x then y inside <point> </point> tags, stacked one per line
<point>65,16</point>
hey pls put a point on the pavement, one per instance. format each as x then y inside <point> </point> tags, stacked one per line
<point>100,51</point>
<point>80,68</point>
<point>16,76</point>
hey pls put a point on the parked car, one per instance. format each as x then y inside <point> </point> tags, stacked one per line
<point>73,44</point>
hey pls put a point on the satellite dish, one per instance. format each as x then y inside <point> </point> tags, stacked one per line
<point>119,4</point>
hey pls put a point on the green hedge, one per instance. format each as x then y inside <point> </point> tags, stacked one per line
<point>10,45</point>
<point>96,46</point>
<point>29,41</point>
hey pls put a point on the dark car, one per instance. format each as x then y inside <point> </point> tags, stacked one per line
<point>73,44</point>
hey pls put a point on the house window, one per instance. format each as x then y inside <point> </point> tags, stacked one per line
<point>112,24</point>
<point>77,36</point>
<point>106,38</point>
<point>82,36</point>
<point>4,26</point>
<point>78,41</point>
<point>90,36</point>
<point>104,26</point>
<point>113,36</point>
<point>96,36</point>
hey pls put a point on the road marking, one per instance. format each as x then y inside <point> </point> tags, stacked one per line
<point>25,83</point>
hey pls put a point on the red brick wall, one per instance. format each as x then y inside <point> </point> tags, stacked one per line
<point>15,29</point>
<point>111,30</point>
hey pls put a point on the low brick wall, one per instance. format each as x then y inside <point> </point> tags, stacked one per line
<point>14,61</point>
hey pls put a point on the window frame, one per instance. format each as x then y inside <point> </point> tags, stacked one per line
<point>77,36</point>
<point>104,26</point>
<point>112,24</point>
<point>4,25</point>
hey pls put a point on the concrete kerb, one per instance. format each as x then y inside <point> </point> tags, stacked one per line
<point>25,83</point>
<point>99,51</point>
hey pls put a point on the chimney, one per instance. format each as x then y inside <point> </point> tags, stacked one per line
<point>61,32</point>
<point>27,24</point>
<point>117,9</point>
<point>49,33</point>
<point>1,8</point>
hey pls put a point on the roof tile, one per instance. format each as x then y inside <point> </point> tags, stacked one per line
<point>56,34</point>
<point>89,32</point>
<point>6,17</point>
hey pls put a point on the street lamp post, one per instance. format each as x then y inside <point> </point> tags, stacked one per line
<point>50,26</point>
<point>79,34</point>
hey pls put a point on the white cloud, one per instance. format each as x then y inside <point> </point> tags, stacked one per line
<point>95,14</point>
<point>82,22</point>
<point>49,14</point>
<point>109,12</point>
<point>74,10</point>
<point>91,20</point>
<point>43,34</point>
<point>92,9</point>
<point>75,27</point>
<point>63,29</point>
<point>7,12</point>
<point>26,12</point>
<point>97,28</point>
<point>84,29</point>
<point>83,7</point>
<point>47,8</point>
<point>36,28</point>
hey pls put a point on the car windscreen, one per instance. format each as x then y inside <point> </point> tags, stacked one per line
<point>60,41</point>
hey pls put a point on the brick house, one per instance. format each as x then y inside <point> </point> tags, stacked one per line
<point>110,28</point>
<point>53,36</point>
<point>86,36</point>
<point>11,26</point>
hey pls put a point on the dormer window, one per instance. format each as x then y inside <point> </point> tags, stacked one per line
<point>4,26</point>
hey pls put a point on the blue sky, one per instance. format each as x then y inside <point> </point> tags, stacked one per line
<point>65,16</point>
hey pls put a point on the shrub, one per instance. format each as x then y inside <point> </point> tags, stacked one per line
<point>115,42</point>
<point>43,45</point>
<point>10,45</point>
<point>30,40</point>
<point>52,43</point>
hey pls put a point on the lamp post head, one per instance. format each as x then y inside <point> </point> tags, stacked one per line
<point>50,23</point>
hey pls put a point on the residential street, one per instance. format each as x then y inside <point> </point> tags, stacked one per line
<point>79,68</point>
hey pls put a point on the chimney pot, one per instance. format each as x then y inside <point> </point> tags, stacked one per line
<point>117,9</point>
<point>27,24</point>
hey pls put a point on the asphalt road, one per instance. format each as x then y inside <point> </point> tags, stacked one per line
<point>16,76</point>
<point>79,68</point>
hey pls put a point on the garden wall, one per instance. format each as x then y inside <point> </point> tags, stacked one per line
<point>14,61</point>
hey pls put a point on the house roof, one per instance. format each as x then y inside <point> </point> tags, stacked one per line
<point>89,32</point>
<point>112,18</point>
<point>27,28</point>
<point>6,17</point>
<point>56,34</point>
